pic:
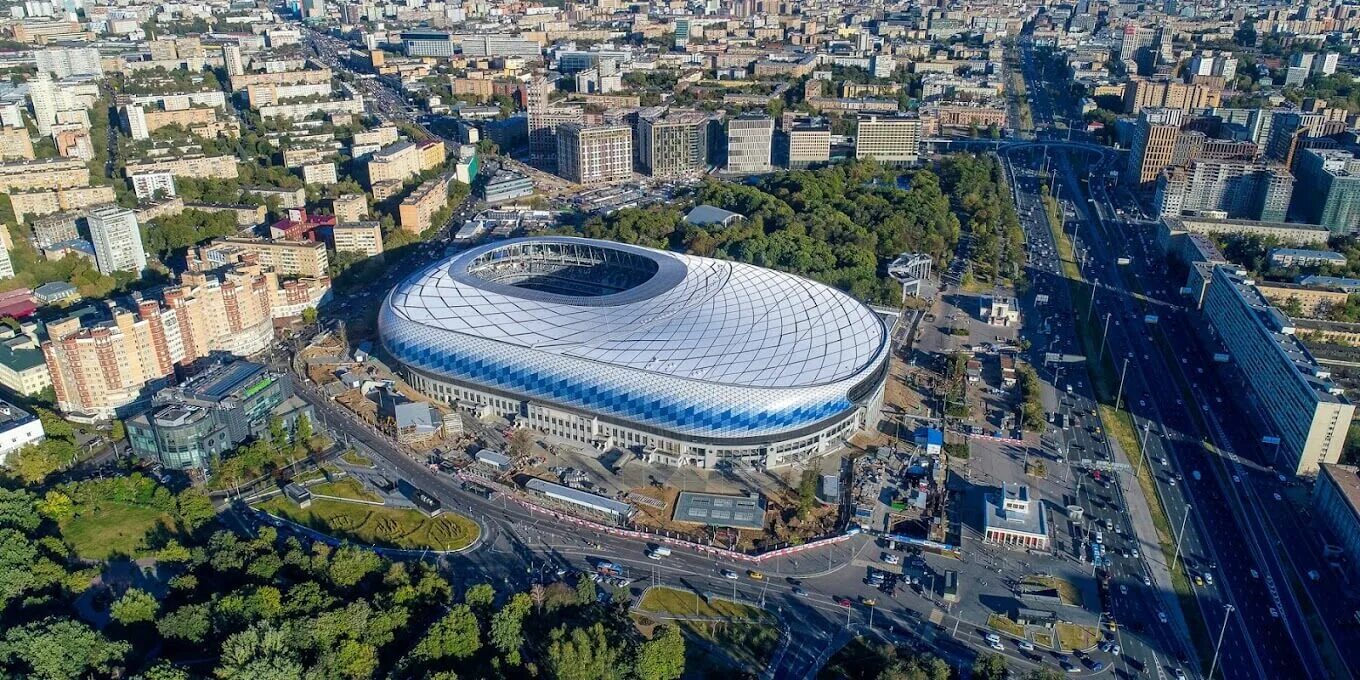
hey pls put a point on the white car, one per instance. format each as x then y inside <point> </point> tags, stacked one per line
<point>1278,497</point>
<point>1274,613</point>
<point>1123,589</point>
<point>1255,574</point>
<point>1161,616</point>
<point>1147,580</point>
<point>729,574</point>
<point>889,558</point>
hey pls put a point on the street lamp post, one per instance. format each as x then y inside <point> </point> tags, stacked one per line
<point>1104,335</point>
<point>1091,304</point>
<point>1119,396</point>
<point>1227,612</point>
<point>1180,535</point>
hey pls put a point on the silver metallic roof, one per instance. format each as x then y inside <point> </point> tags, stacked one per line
<point>696,319</point>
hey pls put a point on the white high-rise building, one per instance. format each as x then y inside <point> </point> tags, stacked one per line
<point>117,240</point>
<point>134,121</point>
<point>890,139</point>
<point>43,95</point>
<point>6,265</point>
<point>64,62</point>
<point>749,140</point>
<point>235,63</point>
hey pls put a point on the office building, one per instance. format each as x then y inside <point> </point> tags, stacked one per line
<point>416,212</point>
<point>1329,189</point>
<point>428,44</point>
<point>1294,395</point>
<point>507,185</point>
<point>495,45</point>
<point>117,240</point>
<point>682,29</point>
<point>740,363</point>
<point>672,143</point>
<point>809,143</point>
<point>889,139</point>
<point>212,414</point>
<point>596,154</point>
<point>1243,190</point>
<point>1013,520</point>
<point>1154,144</point>
<point>750,139</point>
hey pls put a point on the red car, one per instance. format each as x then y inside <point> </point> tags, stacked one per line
<point>844,602</point>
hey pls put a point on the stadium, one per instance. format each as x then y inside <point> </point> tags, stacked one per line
<point>686,360</point>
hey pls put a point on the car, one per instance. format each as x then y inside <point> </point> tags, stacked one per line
<point>1171,481</point>
<point>729,574</point>
<point>843,601</point>
<point>868,601</point>
<point>1134,552</point>
<point>1161,616</point>
<point>1025,645</point>
<point>1123,589</point>
<point>1097,666</point>
<point>1277,496</point>
<point>755,575</point>
<point>1274,613</point>
<point>997,646</point>
<point>799,592</point>
<point>1180,674</point>
<point>1196,475</point>
<point>1208,578</point>
<point>992,638</point>
<point>1147,580</point>
<point>889,558</point>
<point>1069,668</point>
<point>1199,581</point>
<point>1237,480</point>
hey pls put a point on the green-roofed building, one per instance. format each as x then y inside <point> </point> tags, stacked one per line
<point>22,367</point>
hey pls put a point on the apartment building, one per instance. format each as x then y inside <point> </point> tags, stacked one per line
<point>22,369</point>
<point>286,258</point>
<point>672,143</point>
<point>750,140</point>
<point>311,75</point>
<point>1298,402</point>
<point>323,174</point>
<point>890,139</point>
<point>809,143</point>
<point>102,370</point>
<point>349,208</point>
<point>1336,507</point>
<point>1329,189</point>
<point>544,119</point>
<point>379,136</point>
<point>1154,144</point>
<point>15,144</point>
<point>404,160</point>
<point>358,237</point>
<point>36,203</point>
<point>57,173</point>
<point>596,154</point>
<point>1140,93</point>
<point>416,210</point>
<point>202,167</point>
<point>1244,190</point>
<point>117,240</point>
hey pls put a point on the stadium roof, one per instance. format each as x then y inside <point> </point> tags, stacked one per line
<point>663,313</point>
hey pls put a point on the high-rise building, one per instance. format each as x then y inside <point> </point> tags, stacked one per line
<point>45,96</point>
<point>672,143</point>
<point>117,240</point>
<point>1244,190</point>
<point>1295,397</point>
<point>750,139</point>
<point>682,28</point>
<point>349,208</point>
<point>1140,94</point>
<point>891,139</point>
<point>809,143</point>
<point>543,119</point>
<point>594,154</point>
<point>1154,144</point>
<point>64,62</point>
<point>235,63</point>
<point>100,370</point>
<point>1329,189</point>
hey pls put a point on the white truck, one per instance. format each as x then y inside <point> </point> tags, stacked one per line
<point>658,552</point>
<point>1150,318</point>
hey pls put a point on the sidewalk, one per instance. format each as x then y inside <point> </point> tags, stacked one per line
<point>1140,516</point>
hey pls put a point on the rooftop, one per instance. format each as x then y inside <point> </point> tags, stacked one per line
<point>737,512</point>
<point>1346,478</point>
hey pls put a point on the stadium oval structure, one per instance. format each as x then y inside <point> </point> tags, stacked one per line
<point>689,360</point>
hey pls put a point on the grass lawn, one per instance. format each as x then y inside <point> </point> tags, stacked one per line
<point>345,488</point>
<point>684,603</point>
<point>749,645</point>
<point>1005,625</point>
<point>356,458</point>
<point>1072,636</point>
<point>110,529</point>
<point>376,525</point>
<point>1043,640</point>
<point>1067,592</point>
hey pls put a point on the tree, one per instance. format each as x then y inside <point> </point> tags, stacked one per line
<point>18,510</point>
<point>507,627</point>
<point>663,656</point>
<point>456,635</point>
<point>350,564</point>
<point>118,432</point>
<point>58,649</point>
<point>585,591</point>
<point>480,596</point>
<point>278,434</point>
<point>164,670</point>
<point>135,606</point>
<point>585,654</point>
<point>521,443</point>
<point>261,652</point>
<point>34,462</point>
<point>190,623</point>
<point>303,432</point>
<point>309,316</point>
<point>990,667</point>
